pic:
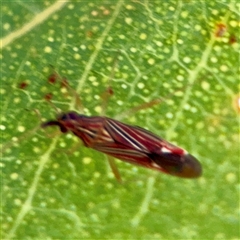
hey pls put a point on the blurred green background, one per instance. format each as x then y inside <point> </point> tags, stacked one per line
<point>186,52</point>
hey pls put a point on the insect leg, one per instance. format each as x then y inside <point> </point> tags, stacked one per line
<point>114,168</point>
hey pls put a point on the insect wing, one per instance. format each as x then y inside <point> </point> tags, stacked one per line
<point>139,146</point>
<point>138,138</point>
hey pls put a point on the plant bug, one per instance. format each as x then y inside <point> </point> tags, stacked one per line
<point>128,143</point>
<point>132,144</point>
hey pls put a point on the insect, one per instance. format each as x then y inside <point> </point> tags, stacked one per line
<point>128,143</point>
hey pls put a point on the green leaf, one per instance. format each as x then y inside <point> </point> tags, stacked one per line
<point>145,50</point>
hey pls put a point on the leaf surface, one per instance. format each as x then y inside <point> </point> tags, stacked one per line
<point>146,50</point>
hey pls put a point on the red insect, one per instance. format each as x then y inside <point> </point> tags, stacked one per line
<point>129,143</point>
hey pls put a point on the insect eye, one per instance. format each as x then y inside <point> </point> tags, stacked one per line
<point>63,117</point>
<point>68,116</point>
<point>73,116</point>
